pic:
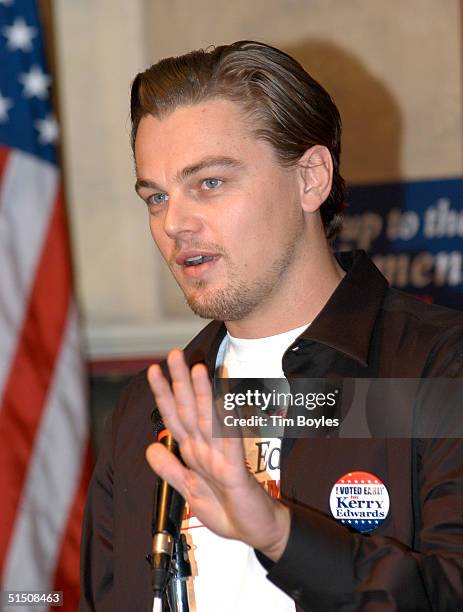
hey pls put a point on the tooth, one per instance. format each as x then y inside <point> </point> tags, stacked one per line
<point>193,259</point>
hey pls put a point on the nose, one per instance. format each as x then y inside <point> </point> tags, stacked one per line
<point>182,217</point>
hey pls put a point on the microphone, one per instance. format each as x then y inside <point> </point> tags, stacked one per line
<point>168,507</point>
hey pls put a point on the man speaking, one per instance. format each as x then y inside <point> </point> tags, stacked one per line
<point>237,153</point>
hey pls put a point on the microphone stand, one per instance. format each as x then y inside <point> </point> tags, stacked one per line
<point>178,574</point>
<point>177,591</point>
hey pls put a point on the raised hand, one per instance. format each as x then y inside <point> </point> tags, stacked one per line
<point>214,480</point>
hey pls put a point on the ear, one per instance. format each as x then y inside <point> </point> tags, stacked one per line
<point>315,177</point>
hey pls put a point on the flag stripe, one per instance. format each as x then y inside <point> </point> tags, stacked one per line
<point>37,533</point>
<point>32,368</point>
<point>67,573</point>
<point>23,228</point>
<point>4,153</point>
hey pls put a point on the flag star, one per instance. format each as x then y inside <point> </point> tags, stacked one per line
<point>19,35</point>
<point>48,130</point>
<point>5,105</point>
<point>35,82</point>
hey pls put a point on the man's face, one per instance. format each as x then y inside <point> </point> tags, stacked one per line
<point>224,214</point>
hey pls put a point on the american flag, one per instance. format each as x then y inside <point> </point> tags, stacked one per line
<point>44,456</point>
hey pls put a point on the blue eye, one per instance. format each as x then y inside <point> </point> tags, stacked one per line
<point>211,183</point>
<point>158,198</point>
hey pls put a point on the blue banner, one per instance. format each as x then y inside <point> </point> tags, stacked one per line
<point>414,233</point>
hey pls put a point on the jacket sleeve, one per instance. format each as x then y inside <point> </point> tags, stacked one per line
<point>96,551</point>
<point>324,565</point>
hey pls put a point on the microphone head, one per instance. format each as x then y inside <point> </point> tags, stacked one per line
<point>156,422</point>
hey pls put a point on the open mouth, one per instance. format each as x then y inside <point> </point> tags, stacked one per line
<point>194,264</point>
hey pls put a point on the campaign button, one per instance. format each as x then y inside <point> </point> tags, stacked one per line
<point>359,500</point>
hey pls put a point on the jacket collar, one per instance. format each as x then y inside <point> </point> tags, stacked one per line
<point>345,323</point>
<point>205,346</point>
<point>347,320</point>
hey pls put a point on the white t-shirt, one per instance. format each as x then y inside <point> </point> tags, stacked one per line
<point>226,573</point>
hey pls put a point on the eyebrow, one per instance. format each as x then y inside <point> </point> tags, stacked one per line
<point>188,171</point>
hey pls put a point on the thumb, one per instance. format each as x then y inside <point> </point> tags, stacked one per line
<point>167,466</point>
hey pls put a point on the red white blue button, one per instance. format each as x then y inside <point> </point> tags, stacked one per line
<point>359,500</point>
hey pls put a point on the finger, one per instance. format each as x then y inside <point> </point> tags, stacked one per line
<point>184,394</point>
<point>205,405</point>
<point>167,466</point>
<point>165,402</point>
